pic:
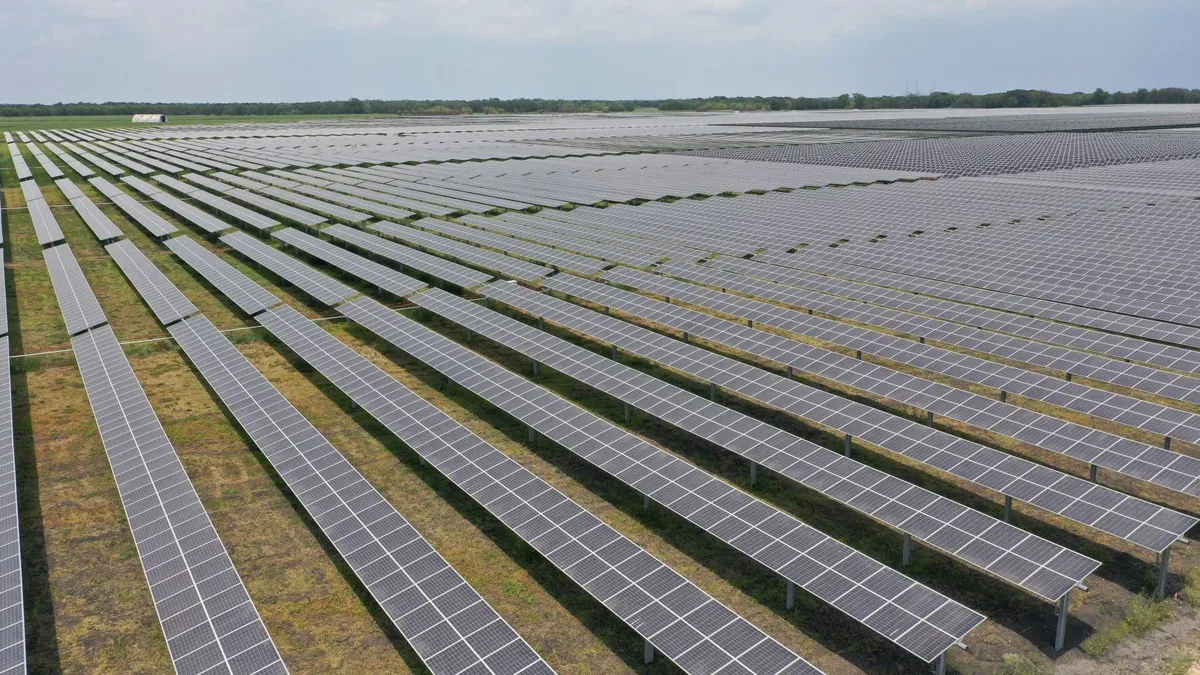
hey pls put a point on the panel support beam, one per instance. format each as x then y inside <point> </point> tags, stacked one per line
<point>939,665</point>
<point>1164,567</point>
<point>1060,634</point>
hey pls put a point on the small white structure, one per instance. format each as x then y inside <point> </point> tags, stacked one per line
<point>149,119</point>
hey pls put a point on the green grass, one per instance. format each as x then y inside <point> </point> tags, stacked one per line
<point>1191,587</point>
<point>1015,664</point>
<point>113,121</point>
<point>1143,615</point>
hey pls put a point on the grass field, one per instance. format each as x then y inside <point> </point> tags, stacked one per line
<point>118,121</point>
<point>89,610</point>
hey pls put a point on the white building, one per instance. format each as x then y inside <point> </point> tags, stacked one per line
<point>149,119</point>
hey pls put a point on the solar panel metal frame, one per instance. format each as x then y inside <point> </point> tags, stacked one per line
<point>202,604</point>
<point>277,208</point>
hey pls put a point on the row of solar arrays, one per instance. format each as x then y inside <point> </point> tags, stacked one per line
<point>1047,578</point>
<point>207,617</point>
<point>143,216</point>
<point>69,159</point>
<point>45,226</point>
<point>93,217</point>
<point>924,642</point>
<point>448,624</point>
<point>47,164</point>
<point>12,591</point>
<point>697,632</point>
<point>19,165</point>
<point>180,208</point>
<point>219,204</point>
<point>1058,313</point>
<point>1069,255</point>
<point>473,255</point>
<point>567,243</point>
<point>1106,405</point>
<point>1036,565</point>
<point>943,314</point>
<point>1129,518</point>
<point>886,602</point>
<point>1150,417</point>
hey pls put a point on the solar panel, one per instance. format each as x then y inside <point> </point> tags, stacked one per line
<point>523,249</point>
<point>655,601</point>
<point>466,253</point>
<point>207,616</point>
<point>434,266</point>
<point>944,321</point>
<point>151,221</point>
<point>372,272</point>
<point>449,625</point>
<point>180,208</point>
<point>1137,460</point>
<point>107,167</point>
<point>395,200</point>
<point>45,226</point>
<point>246,294</point>
<point>323,287</point>
<point>1050,573</point>
<point>77,166</point>
<point>240,181</point>
<point>19,165</point>
<point>524,229</point>
<point>12,606</point>
<point>79,306</point>
<point>215,185</point>
<point>1148,416</point>
<point>375,208</point>
<point>804,556</point>
<point>47,165</point>
<point>92,216</point>
<point>276,208</point>
<point>165,300</point>
<point>325,208</point>
<point>1129,518</point>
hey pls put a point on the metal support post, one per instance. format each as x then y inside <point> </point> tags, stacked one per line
<point>858,354</point>
<point>1092,473</point>
<point>1068,376</point>
<point>1060,635</point>
<point>906,556</point>
<point>939,666</point>
<point>613,355</point>
<point>532,435</point>
<point>646,502</point>
<point>928,418</point>
<point>537,368</point>
<point>1164,566</point>
<point>791,372</point>
<point>791,595</point>
<point>648,653</point>
<point>628,413</point>
<point>753,473</point>
<point>541,323</point>
<point>1003,396</point>
<point>849,447</point>
<point>1007,509</point>
<point>712,391</point>
<point>749,323</point>
<point>922,339</point>
<point>685,338</point>
<point>470,336</point>
<point>1167,443</point>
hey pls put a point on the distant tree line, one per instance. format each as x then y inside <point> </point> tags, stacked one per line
<point>1016,98</point>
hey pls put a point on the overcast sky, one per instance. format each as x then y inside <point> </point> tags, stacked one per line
<point>295,50</point>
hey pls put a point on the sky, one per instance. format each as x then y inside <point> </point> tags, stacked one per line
<point>302,50</point>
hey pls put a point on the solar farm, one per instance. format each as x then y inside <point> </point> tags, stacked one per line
<point>717,394</point>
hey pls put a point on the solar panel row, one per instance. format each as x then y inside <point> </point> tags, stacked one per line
<point>1129,518</point>
<point>404,256</point>
<point>45,226</point>
<point>696,632</point>
<point>866,590</point>
<point>473,255</point>
<point>152,222</point>
<point>180,208</point>
<point>1137,460</point>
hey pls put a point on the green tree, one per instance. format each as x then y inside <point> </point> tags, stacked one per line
<point>843,101</point>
